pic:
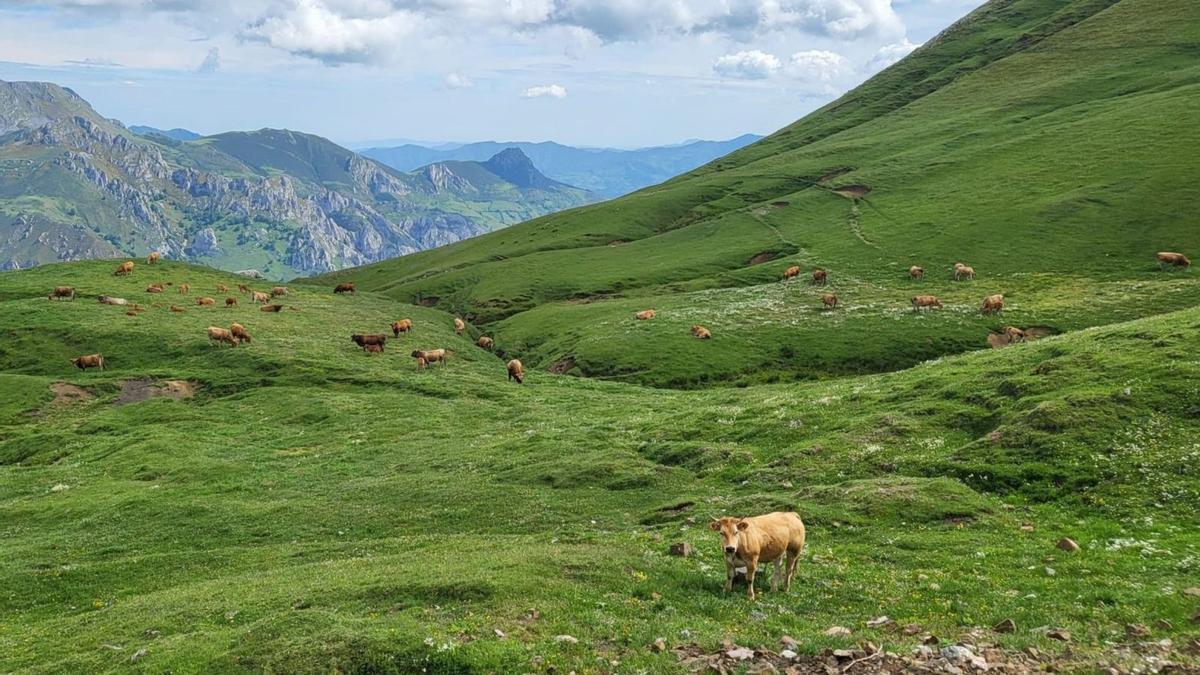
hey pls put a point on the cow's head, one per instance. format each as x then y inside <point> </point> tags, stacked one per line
<point>730,530</point>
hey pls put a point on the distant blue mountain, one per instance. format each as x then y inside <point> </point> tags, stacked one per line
<point>177,134</point>
<point>605,171</point>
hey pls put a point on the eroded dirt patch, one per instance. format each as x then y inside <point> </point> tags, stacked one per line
<point>833,174</point>
<point>780,204</point>
<point>763,257</point>
<point>618,242</point>
<point>134,391</point>
<point>429,301</point>
<point>852,191</point>
<point>563,365</point>
<point>68,394</point>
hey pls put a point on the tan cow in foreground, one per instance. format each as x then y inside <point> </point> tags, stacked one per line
<point>124,268</point>
<point>485,342</point>
<point>279,291</point>
<point>429,356</point>
<point>459,326</point>
<point>154,257</point>
<point>921,301</point>
<point>962,271</point>
<point>746,542</point>
<point>67,292</point>
<point>205,301</point>
<point>645,315</point>
<point>916,273</point>
<point>701,332</point>
<point>256,296</point>
<point>791,272</point>
<point>347,287</point>
<point>819,277</point>
<point>516,371</point>
<point>219,335</point>
<point>1173,259</point>
<point>239,332</point>
<point>830,300</point>
<point>401,326</point>
<point>88,361</point>
<point>992,304</point>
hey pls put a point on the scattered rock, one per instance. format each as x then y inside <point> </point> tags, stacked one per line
<point>1137,630</point>
<point>957,654</point>
<point>137,656</point>
<point>789,642</point>
<point>1194,591</point>
<point>930,640</point>
<point>499,633</point>
<point>1059,634</point>
<point>1005,626</point>
<point>788,654</point>
<point>1067,544</point>
<point>837,631</point>
<point>880,622</point>
<point>60,487</point>
<point>740,654</point>
<point>1050,571</point>
<point>569,639</point>
<point>912,629</point>
<point>681,549</point>
<point>1163,624</point>
<point>660,645</point>
<point>231,615</point>
<point>1027,527</point>
<point>843,654</point>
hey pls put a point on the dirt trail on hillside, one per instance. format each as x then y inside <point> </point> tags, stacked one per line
<point>135,391</point>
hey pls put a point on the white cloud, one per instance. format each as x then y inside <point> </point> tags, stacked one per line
<point>211,62</point>
<point>550,90</point>
<point>747,65</point>
<point>889,54</point>
<point>458,81</point>
<point>346,31</point>
<point>816,65</point>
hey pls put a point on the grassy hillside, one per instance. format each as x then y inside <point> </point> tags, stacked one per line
<point>1047,143</point>
<point>314,508</point>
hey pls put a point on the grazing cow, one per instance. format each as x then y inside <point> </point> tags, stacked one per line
<point>485,342</point>
<point>791,272</point>
<point>459,326</point>
<point>239,332</point>
<point>373,349</point>
<point>124,268</point>
<point>222,288</point>
<point>923,301</point>
<point>993,304</point>
<point>205,301</point>
<point>347,287</point>
<point>746,542</point>
<point>88,361</point>
<point>271,308</point>
<point>830,300</point>
<point>106,300</point>
<point>184,289</point>
<point>430,356</point>
<point>61,292</point>
<point>178,309</point>
<point>420,364</point>
<point>154,257</point>
<point>516,371</point>
<point>645,315</point>
<point>243,288</point>
<point>1014,334</point>
<point>962,271</point>
<point>255,296</point>
<point>154,288</point>
<point>364,340</point>
<point>230,301</point>
<point>219,335</point>
<point>279,292</point>
<point>701,332</point>
<point>819,277</point>
<point>401,326</point>
<point>916,273</point>
<point>1173,259</point>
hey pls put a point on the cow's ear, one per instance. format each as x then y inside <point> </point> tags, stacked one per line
<point>741,525</point>
<point>715,525</point>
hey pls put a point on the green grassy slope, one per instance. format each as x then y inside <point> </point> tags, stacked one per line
<point>313,508</point>
<point>1049,144</point>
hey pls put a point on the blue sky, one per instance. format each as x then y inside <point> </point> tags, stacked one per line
<point>619,73</point>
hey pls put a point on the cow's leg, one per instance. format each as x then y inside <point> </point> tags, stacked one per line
<point>793,558</point>
<point>751,568</point>
<point>729,572</point>
<point>778,573</point>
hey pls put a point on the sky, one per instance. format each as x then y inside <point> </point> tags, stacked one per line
<point>602,73</point>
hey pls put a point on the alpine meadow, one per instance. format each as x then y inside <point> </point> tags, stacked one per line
<point>947,319</point>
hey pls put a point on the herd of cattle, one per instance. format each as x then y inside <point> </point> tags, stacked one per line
<point>237,334</point>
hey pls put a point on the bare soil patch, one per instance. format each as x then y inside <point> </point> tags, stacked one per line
<point>833,174</point>
<point>563,365</point>
<point>134,391</point>
<point>67,394</point>
<point>763,257</point>
<point>852,191</point>
<point>429,301</point>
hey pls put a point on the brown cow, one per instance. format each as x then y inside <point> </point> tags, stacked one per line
<point>1173,259</point>
<point>962,271</point>
<point>373,349</point>
<point>243,288</point>
<point>184,289</point>
<point>222,288</point>
<point>1014,334</point>
<point>459,326</point>
<point>485,342</point>
<point>271,308</point>
<point>347,287</point>
<point>420,363</point>
<point>645,315</point>
<point>516,371</point>
<point>916,273</point>
<point>255,296</point>
<point>205,301</point>
<point>219,335</point>
<point>154,257</point>
<point>791,272</point>
<point>922,301</point>
<point>748,541</point>
<point>819,277</point>
<point>124,268</point>
<point>178,309</point>
<point>830,300</point>
<point>106,300</point>
<point>401,326</point>
<point>154,288</point>
<point>430,355</point>
<point>88,361</point>
<point>230,301</point>
<point>239,332</point>
<point>59,292</point>
<point>364,340</point>
<point>993,304</point>
<point>701,332</point>
<point>279,292</point>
